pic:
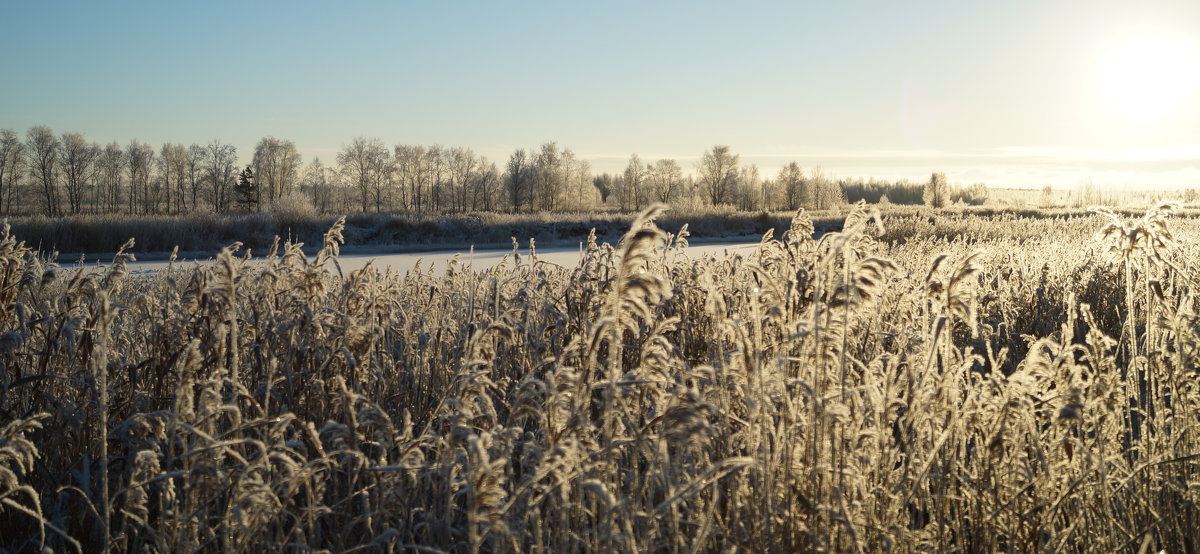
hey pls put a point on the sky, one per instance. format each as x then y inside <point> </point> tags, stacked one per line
<point>1013,94</point>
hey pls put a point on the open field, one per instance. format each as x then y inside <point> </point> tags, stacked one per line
<point>948,381</point>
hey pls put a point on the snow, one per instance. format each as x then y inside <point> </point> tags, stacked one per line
<point>438,260</point>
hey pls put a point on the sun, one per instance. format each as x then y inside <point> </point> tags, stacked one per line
<point>1148,78</point>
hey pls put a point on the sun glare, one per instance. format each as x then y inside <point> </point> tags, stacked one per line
<point>1146,79</point>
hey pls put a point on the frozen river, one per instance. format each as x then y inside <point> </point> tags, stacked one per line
<point>479,259</point>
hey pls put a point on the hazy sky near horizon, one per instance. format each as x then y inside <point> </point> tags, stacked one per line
<point>1015,93</point>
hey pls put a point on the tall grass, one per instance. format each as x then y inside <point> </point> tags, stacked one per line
<point>991,390</point>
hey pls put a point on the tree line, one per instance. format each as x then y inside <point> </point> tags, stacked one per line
<point>65,174</point>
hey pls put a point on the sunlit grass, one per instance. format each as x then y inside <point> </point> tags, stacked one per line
<point>949,382</point>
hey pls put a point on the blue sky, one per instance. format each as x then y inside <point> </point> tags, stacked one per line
<point>1001,92</point>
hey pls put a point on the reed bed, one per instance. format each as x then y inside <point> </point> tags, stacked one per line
<point>987,390</point>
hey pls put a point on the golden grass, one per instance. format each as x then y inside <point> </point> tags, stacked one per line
<point>994,389</point>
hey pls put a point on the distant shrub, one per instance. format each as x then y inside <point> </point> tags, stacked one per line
<point>974,195</point>
<point>1047,198</point>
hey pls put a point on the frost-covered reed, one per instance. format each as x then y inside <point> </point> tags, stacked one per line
<point>996,389</point>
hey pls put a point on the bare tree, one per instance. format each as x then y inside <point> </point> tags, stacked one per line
<point>826,193</point>
<point>219,167</point>
<point>518,180</point>
<point>772,195</point>
<point>45,151</point>
<point>410,176</point>
<point>474,180</point>
<point>462,165</point>
<point>77,158</point>
<point>580,193</point>
<point>165,178</point>
<point>797,191</point>
<point>194,160</point>
<point>632,194</point>
<point>319,185</point>
<point>748,192</point>
<point>173,168</point>
<point>140,159</point>
<point>665,180</point>
<point>435,174</point>
<point>549,178</point>
<point>485,186</point>
<point>12,162</point>
<point>276,166</point>
<point>365,162</point>
<point>111,165</point>
<point>717,173</point>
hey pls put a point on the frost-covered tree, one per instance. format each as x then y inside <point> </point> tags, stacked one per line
<point>580,193</point>
<point>462,164</point>
<point>193,160</point>
<point>518,180</point>
<point>749,191</point>
<point>276,164</point>
<point>139,158</point>
<point>826,192</point>
<point>937,191</point>
<point>434,167</point>
<point>717,174</point>
<point>219,169</point>
<point>974,195</point>
<point>410,168</point>
<point>173,170</point>
<point>796,188</point>
<point>485,186</point>
<point>318,185</point>
<point>549,178</point>
<point>633,180</point>
<point>78,155</point>
<point>664,180</point>
<point>45,152</point>
<point>366,164</point>
<point>111,177</point>
<point>12,165</point>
